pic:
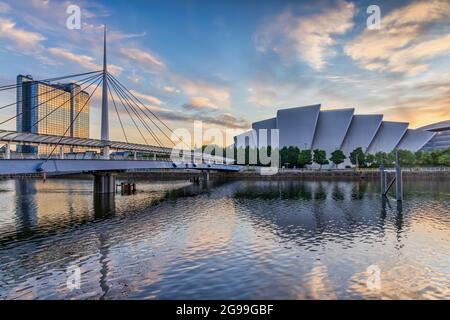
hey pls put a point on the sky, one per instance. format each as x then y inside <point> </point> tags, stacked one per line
<point>230,63</point>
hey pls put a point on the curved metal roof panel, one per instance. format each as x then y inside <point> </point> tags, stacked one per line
<point>414,140</point>
<point>361,132</point>
<point>331,129</point>
<point>297,126</point>
<point>388,136</point>
<point>440,126</point>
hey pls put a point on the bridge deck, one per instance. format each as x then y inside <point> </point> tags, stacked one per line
<point>11,167</point>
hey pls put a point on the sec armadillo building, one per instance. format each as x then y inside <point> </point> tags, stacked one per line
<point>310,127</point>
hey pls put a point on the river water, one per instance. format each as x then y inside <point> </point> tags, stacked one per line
<point>229,240</point>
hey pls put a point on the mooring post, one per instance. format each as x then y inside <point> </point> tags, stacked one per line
<point>398,179</point>
<point>61,152</point>
<point>383,180</point>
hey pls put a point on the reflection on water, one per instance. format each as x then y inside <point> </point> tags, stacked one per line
<point>234,240</point>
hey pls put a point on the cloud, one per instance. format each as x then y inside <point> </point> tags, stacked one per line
<point>421,115</point>
<point>21,39</point>
<point>119,35</point>
<point>146,97</point>
<point>145,59</point>
<point>218,96</point>
<point>84,61</point>
<point>224,120</point>
<point>403,43</point>
<point>134,77</point>
<point>263,96</point>
<point>421,103</point>
<point>310,38</point>
<point>4,7</point>
<point>200,103</point>
<point>227,120</point>
<point>169,89</point>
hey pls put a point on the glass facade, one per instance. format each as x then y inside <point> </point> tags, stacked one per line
<point>440,141</point>
<point>50,109</point>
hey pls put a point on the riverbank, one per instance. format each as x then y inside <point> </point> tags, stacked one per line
<point>285,175</point>
<point>256,175</point>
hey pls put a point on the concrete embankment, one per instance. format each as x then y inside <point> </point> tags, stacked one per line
<point>254,175</point>
<point>328,174</point>
<point>284,175</point>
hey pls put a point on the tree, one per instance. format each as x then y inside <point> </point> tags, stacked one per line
<point>304,158</point>
<point>320,157</point>
<point>289,156</point>
<point>423,158</point>
<point>370,160</point>
<point>337,157</point>
<point>358,158</point>
<point>407,158</point>
<point>293,153</point>
<point>444,158</point>
<point>283,156</point>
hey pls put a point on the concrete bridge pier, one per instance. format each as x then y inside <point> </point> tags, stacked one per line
<point>7,151</point>
<point>104,183</point>
<point>204,176</point>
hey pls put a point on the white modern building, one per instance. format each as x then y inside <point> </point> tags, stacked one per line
<point>310,127</point>
<point>441,140</point>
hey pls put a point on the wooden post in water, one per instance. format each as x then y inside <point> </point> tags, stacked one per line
<point>398,178</point>
<point>383,180</point>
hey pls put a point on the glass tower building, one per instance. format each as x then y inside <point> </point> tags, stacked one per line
<point>50,109</point>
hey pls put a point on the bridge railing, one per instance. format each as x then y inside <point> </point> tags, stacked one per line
<point>198,158</point>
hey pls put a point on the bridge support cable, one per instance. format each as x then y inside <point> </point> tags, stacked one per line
<point>130,115</point>
<point>14,86</point>
<point>59,107</point>
<point>117,111</point>
<point>119,92</point>
<point>138,115</point>
<point>44,102</point>
<point>141,106</point>
<point>38,95</point>
<point>136,110</point>
<point>156,116</point>
<point>73,121</point>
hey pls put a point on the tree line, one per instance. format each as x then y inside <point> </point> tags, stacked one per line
<point>293,157</point>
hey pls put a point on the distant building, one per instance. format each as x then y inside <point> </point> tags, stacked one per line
<point>310,127</point>
<point>441,140</point>
<point>57,105</point>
